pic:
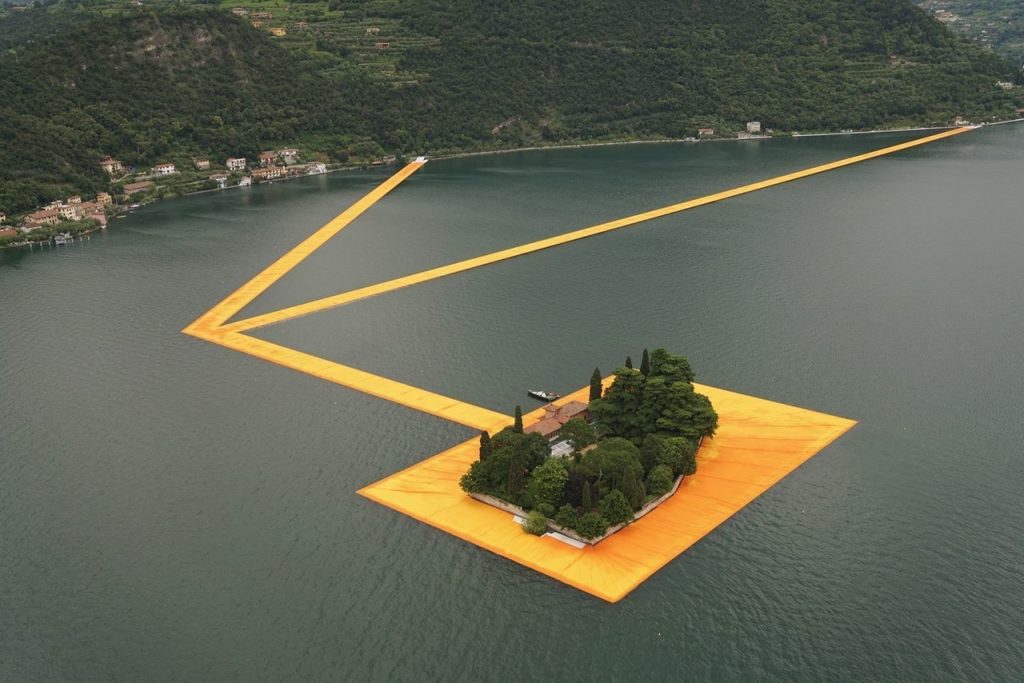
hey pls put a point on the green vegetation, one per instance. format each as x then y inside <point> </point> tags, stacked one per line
<point>170,80</point>
<point>650,427</point>
<point>997,24</point>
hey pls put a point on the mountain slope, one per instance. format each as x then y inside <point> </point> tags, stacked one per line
<point>176,79</point>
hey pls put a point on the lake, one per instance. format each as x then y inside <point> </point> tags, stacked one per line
<point>174,510</point>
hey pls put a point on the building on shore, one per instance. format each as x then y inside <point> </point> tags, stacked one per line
<point>244,181</point>
<point>111,166</point>
<point>3,217</point>
<point>42,217</point>
<point>278,32</point>
<point>705,132</point>
<point>289,156</point>
<point>316,168</point>
<point>268,158</point>
<point>104,198</point>
<point>753,127</point>
<point>271,173</point>
<point>133,188</point>
<point>202,164</point>
<point>221,179</point>
<point>165,168</point>
<point>236,164</point>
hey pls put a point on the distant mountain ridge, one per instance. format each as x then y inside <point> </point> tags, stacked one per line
<point>167,81</point>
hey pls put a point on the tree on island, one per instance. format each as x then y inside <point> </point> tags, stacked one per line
<point>645,364</point>
<point>629,362</point>
<point>663,402</point>
<point>516,471</point>
<point>517,426</point>
<point>485,445</point>
<point>615,508</point>
<point>547,483</point>
<point>595,384</point>
<point>587,504</point>
<point>592,525</point>
<point>578,433</point>
<point>659,482</point>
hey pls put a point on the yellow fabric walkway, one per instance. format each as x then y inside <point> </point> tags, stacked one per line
<point>547,243</point>
<point>759,443</point>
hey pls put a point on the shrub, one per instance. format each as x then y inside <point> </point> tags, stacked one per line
<point>536,524</point>
<point>678,453</point>
<point>546,509</point>
<point>616,508</point>
<point>592,525</point>
<point>473,481</point>
<point>566,516</point>
<point>659,482</point>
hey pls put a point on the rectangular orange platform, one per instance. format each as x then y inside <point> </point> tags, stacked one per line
<point>758,443</point>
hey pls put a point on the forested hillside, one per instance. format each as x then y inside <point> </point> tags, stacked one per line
<point>361,77</point>
<point>997,24</point>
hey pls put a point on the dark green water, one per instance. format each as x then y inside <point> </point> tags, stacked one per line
<point>172,510</point>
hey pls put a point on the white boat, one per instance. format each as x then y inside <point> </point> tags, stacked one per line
<point>543,395</point>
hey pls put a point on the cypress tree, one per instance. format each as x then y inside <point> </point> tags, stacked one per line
<point>586,497</point>
<point>629,362</point>
<point>595,384</point>
<point>516,472</point>
<point>517,426</point>
<point>645,364</point>
<point>485,445</point>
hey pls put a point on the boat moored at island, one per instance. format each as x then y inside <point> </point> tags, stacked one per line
<point>543,395</point>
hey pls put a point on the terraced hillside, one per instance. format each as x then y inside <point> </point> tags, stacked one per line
<point>350,80</point>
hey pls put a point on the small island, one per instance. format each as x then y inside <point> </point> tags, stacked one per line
<point>587,470</point>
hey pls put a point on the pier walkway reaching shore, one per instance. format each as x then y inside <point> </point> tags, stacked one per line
<point>759,442</point>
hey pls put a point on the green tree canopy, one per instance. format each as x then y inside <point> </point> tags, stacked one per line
<point>579,433</point>
<point>547,482</point>
<point>615,508</point>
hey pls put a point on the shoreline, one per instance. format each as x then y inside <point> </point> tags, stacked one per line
<point>564,146</point>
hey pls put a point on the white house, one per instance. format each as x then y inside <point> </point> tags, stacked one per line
<point>164,169</point>
<point>244,181</point>
<point>753,127</point>
<point>235,164</point>
<point>316,168</point>
<point>221,179</point>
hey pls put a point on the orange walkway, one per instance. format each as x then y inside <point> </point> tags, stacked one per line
<point>759,443</point>
<point>547,243</point>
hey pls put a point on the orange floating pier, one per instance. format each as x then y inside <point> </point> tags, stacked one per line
<point>759,442</point>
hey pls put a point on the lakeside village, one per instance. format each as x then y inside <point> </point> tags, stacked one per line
<point>60,221</point>
<point>586,470</point>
